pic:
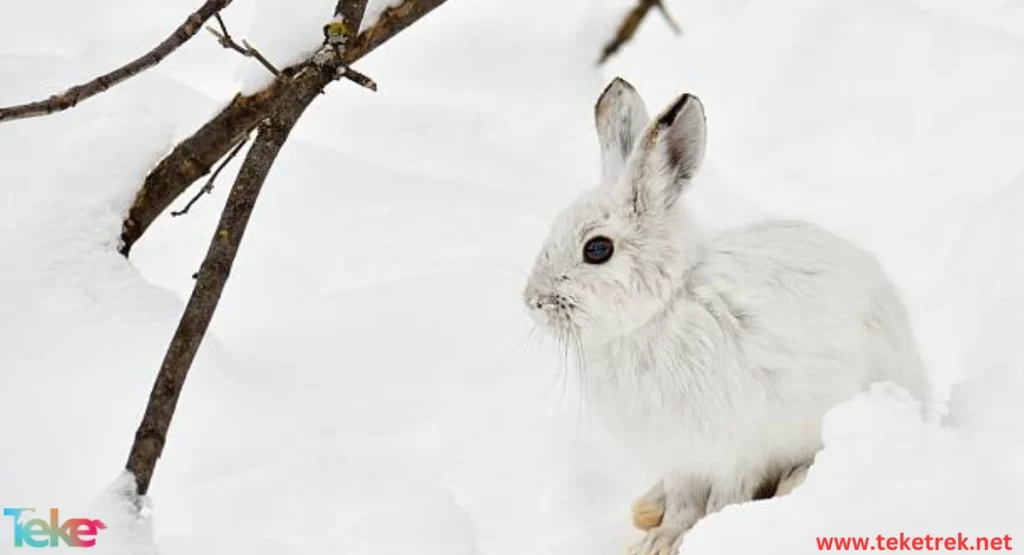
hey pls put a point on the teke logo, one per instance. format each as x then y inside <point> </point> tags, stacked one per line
<point>76,532</point>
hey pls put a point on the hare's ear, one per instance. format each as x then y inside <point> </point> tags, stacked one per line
<point>621,117</point>
<point>671,151</point>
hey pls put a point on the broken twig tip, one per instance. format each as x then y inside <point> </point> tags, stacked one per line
<point>358,78</point>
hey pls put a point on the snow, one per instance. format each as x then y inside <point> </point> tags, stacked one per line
<point>374,9</point>
<point>370,383</point>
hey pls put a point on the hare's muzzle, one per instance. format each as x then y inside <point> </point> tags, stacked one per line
<point>548,308</point>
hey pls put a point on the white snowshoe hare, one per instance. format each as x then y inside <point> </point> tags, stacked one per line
<point>728,348</point>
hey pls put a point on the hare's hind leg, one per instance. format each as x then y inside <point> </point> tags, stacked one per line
<point>649,509</point>
<point>792,479</point>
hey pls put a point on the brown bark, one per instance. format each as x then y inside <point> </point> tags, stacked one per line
<point>273,128</point>
<point>78,93</point>
<point>349,12</point>
<point>210,281</point>
<point>196,155</point>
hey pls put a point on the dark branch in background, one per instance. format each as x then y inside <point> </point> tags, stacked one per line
<point>208,187</point>
<point>76,94</point>
<point>196,155</point>
<point>632,22</point>
<point>225,40</point>
<point>301,87</point>
<point>676,28</point>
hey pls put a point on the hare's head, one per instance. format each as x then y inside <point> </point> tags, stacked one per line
<point>615,256</point>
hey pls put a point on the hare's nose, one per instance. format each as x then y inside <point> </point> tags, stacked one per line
<point>533,298</point>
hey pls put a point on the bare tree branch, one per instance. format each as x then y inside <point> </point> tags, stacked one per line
<point>193,157</point>
<point>632,22</point>
<point>272,132</point>
<point>393,21</point>
<point>78,93</point>
<point>213,275</point>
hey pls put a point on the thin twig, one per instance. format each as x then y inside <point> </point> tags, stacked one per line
<point>208,186</point>
<point>256,54</point>
<point>631,23</point>
<point>224,37</point>
<point>195,156</point>
<point>74,95</point>
<point>225,40</point>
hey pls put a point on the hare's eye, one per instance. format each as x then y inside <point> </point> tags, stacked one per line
<point>598,250</point>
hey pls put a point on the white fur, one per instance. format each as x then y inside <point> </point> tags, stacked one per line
<point>722,351</point>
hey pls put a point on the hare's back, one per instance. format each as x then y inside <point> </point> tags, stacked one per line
<point>792,255</point>
<point>821,302</point>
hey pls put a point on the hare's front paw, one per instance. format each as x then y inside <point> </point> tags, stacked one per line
<point>649,510</point>
<point>647,513</point>
<point>660,540</point>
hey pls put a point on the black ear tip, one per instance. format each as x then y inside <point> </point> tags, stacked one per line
<point>617,83</point>
<point>602,101</point>
<point>673,111</point>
